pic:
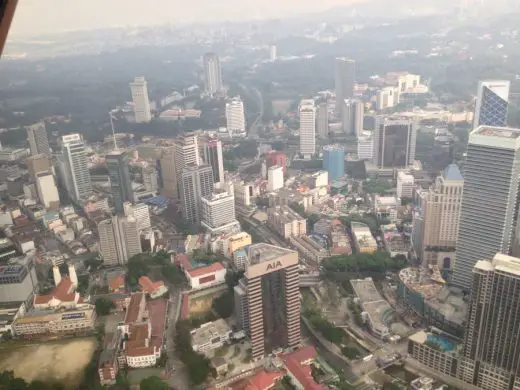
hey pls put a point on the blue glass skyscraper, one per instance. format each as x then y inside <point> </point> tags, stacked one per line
<point>334,161</point>
<point>492,103</point>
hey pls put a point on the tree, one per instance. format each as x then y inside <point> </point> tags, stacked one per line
<point>137,267</point>
<point>153,383</point>
<point>104,306</point>
<point>224,305</point>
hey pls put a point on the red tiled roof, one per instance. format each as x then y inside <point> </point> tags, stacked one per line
<point>298,364</point>
<point>63,292</point>
<point>263,380</point>
<point>147,286</point>
<point>157,315</point>
<point>197,272</point>
<point>117,283</point>
<point>132,312</point>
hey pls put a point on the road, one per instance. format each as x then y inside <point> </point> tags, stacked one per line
<point>175,369</point>
<point>256,95</point>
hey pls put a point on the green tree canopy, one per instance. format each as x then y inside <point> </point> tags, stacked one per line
<point>104,306</point>
<point>153,383</point>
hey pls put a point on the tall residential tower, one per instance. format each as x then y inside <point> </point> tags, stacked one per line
<point>307,128</point>
<point>491,178</point>
<point>142,111</point>
<point>212,73</point>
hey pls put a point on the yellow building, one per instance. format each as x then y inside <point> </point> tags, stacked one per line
<point>238,241</point>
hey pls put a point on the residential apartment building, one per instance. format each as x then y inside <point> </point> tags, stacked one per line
<point>286,222</point>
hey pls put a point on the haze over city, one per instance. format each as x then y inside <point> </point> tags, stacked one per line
<point>254,195</point>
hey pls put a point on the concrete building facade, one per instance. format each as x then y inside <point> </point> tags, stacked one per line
<point>307,128</point>
<point>142,111</point>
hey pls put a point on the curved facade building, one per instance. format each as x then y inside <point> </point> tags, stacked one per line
<point>423,291</point>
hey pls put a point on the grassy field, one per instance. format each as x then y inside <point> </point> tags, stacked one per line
<point>62,361</point>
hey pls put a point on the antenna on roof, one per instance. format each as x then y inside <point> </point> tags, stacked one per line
<point>110,113</point>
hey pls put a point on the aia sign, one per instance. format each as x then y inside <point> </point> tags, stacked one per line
<point>274,265</point>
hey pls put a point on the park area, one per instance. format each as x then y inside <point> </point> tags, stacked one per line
<point>62,361</point>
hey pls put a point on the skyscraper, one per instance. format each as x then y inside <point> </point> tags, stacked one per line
<point>492,103</point>
<point>38,163</point>
<point>196,182</point>
<point>218,212</point>
<point>394,142</point>
<point>185,152</point>
<point>211,151</point>
<point>120,183</point>
<point>74,167</point>
<point>491,355</point>
<point>268,300</point>
<point>38,140</point>
<point>440,213</point>
<point>119,239</point>
<point>334,161</point>
<point>353,115</point>
<point>322,121</point>
<point>307,128</point>
<point>140,212</point>
<point>212,73</point>
<point>167,173</point>
<point>491,178</point>
<point>235,119</point>
<point>47,190</point>
<point>344,80</point>
<point>142,112</point>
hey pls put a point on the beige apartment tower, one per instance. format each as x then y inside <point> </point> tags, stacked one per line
<point>441,214</point>
<point>269,298</point>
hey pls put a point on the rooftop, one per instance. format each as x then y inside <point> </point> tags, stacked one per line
<point>366,290</point>
<point>196,272</point>
<point>261,253</point>
<point>208,331</point>
<point>452,173</point>
<point>499,132</point>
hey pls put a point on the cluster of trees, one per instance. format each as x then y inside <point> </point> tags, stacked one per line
<point>198,365</point>
<point>329,331</point>
<point>376,186</point>
<point>224,305</point>
<point>9,381</point>
<point>104,306</point>
<point>207,258</point>
<point>140,265</point>
<point>152,383</point>
<point>247,149</point>
<point>368,219</point>
<point>361,262</point>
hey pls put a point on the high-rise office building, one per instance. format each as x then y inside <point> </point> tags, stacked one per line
<point>267,299</point>
<point>211,152</point>
<point>307,128</point>
<point>334,161</point>
<point>322,120</point>
<point>142,111</point>
<point>38,140</point>
<point>492,103</point>
<point>218,212</point>
<point>235,118</point>
<point>353,115</point>
<point>196,182</point>
<point>491,183</point>
<point>167,173</point>
<point>185,152</point>
<point>74,167</point>
<point>491,354</point>
<point>386,98</point>
<point>120,182</point>
<point>212,73</point>
<point>275,178</point>
<point>141,213</point>
<point>38,163</point>
<point>119,239</point>
<point>344,81</point>
<point>394,142</point>
<point>440,212</point>
<point>150,179</point>
<point>47,190</point>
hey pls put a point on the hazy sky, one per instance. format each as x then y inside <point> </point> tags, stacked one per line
<point>44,16</point>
